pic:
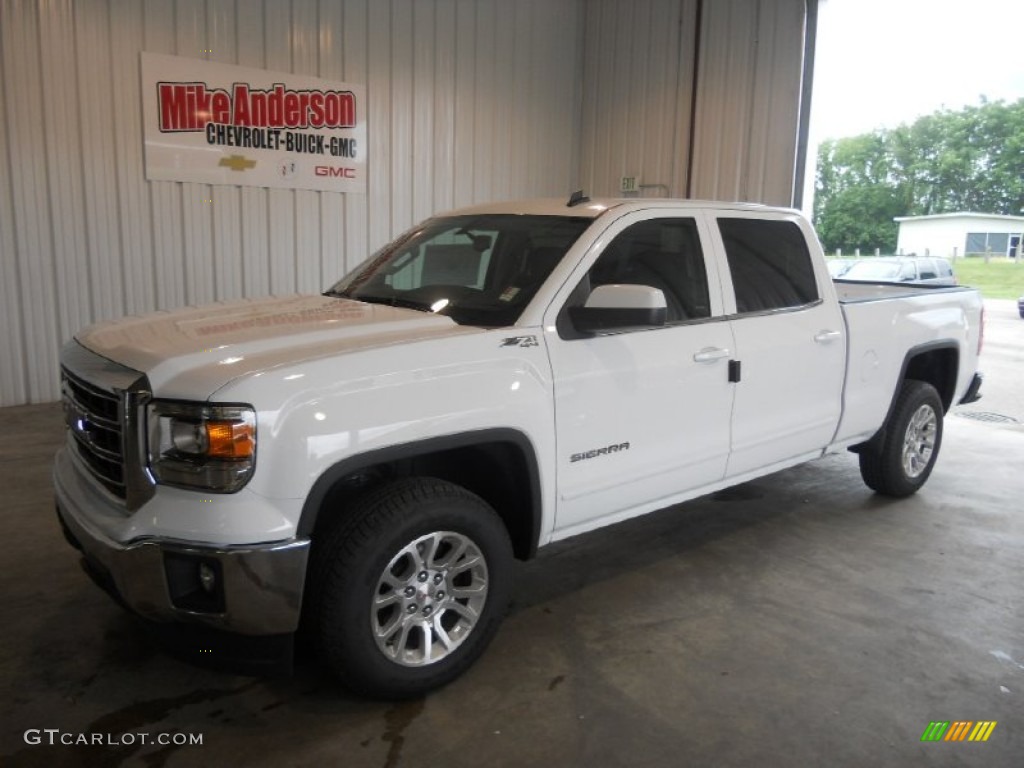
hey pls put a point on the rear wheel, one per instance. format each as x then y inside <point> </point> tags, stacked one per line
<point>900,463</point>
<point>408,591</point>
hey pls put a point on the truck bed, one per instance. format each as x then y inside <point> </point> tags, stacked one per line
<point>850,291</point>
<point>884,323</point>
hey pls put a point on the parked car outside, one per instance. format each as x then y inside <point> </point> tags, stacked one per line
<point>1020,306</point>
<point>839,267</point>
<point>921,270</point>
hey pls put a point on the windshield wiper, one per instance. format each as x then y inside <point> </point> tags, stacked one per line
<point>390,301</point>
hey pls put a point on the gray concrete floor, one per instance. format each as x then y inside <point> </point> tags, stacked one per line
<point>795,621</point>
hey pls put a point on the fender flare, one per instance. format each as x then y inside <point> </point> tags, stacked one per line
<point>350,465</point>
<point>913,352</point>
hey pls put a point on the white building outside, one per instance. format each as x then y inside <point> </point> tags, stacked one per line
<point>953,235</point>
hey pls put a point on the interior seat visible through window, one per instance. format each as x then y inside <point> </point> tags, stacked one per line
<point>663,254</point>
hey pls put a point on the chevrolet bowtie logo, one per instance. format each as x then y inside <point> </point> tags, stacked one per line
<point>237,162</point>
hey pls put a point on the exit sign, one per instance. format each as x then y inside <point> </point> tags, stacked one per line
<point>629,184</point>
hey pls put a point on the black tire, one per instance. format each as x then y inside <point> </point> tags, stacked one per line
<point>900,462</point>
<point>377,552</point>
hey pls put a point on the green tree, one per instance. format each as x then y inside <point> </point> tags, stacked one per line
<point>950,161</point>
<point>861,217</point>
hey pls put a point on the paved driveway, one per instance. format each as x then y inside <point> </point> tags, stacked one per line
<point>1002,362</point>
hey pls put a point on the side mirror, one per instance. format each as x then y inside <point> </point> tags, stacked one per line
<point>618,307</point>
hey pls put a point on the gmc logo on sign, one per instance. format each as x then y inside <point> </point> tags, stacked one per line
<point>335,172</point>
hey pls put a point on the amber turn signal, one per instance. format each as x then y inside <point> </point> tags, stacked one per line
<point>230,439</point>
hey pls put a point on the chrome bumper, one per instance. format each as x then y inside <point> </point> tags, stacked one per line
<point>257,589</point>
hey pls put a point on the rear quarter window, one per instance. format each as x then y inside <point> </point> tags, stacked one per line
<point>770,264</point>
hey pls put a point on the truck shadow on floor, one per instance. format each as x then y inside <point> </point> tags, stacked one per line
<point>825,489</point>
<point>109,676</point>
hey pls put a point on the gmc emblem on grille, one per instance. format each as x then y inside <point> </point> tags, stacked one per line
<point>77,422</point>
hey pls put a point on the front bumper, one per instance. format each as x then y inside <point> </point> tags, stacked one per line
<point>256,589</point>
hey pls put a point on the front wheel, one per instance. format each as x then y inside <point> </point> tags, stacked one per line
<point>900,463</point>
<point>410,588</point>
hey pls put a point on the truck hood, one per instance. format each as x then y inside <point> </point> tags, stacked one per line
<point>191,353</point>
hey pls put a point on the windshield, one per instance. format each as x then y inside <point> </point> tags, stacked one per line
<point>873,270</point>
<point>478,270</point>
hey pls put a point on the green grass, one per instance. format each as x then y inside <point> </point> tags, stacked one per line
<point>999,279</point>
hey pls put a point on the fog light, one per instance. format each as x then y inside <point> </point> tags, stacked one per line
<point>207,578</point>
<point>194,583</point>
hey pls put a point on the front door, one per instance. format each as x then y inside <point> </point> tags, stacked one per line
<point>642,414</point>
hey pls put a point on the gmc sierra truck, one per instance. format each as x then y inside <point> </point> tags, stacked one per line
<point>365,464</point>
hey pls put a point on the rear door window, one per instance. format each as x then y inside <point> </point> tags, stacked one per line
<point>770,264</point>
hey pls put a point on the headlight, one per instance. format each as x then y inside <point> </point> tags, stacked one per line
<point>195,445</point>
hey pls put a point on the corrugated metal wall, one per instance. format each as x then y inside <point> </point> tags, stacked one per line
<point>748,101</point>
<point>637,90</point>
<point>645,113</point>
<point>470,100</point>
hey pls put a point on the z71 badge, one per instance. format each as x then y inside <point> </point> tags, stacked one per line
<point>520,341</point>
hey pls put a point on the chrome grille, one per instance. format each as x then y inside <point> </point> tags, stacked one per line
<point>94,418</point>
<point>103,407</point>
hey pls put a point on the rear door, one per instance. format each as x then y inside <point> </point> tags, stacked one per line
<point>789,340</point>
<point>641,414</point>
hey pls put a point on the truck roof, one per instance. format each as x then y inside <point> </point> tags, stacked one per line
<point>558,206</point>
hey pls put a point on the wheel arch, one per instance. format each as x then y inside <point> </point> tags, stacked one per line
<point>935,363</point>
<point>499,465</point>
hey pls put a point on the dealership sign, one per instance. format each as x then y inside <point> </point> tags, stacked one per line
<point>220,124</point>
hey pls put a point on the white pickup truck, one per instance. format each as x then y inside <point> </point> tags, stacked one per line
<point>366,463</point>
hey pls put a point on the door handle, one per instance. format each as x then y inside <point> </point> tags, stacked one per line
<point>710,354</point>
<point>826,337</point>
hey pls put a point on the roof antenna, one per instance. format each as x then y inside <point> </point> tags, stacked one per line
<point>576,198</point>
